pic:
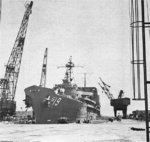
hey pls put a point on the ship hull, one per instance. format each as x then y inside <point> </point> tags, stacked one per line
<point>49,107</point>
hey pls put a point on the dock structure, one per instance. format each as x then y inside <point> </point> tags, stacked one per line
<point>120,104</point>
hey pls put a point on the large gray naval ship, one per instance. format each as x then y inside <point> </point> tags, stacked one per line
<point>66,102</point>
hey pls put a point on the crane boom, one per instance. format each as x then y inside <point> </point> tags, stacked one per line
<point>105,89</point>
<point>8,84</point>
<point>44,69</point>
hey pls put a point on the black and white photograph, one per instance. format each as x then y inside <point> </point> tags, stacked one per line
<point>74,70</point>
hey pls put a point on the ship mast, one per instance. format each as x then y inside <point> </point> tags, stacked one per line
<point>85,78</point>
<point>69,70</point>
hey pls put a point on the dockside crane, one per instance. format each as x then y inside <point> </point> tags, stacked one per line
<point>44,69</point>
<point>120,103</point>
<point>8,84</point>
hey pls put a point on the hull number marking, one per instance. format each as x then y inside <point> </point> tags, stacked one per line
<point>53,101</point>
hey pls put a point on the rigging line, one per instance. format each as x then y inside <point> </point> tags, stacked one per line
<point>147,14</point>
<point>147,6</point>
<point>129,10</point>
<point>132,12</point>
<point>133,65</point>
<point>147,10</point>
<point>132,49</point>
<point>137,49</point>
<point>137,29</point>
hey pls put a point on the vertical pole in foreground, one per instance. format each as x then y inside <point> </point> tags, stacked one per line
<point>145,71</point>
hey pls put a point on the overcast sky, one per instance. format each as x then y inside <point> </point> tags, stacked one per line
<point>96,33</point>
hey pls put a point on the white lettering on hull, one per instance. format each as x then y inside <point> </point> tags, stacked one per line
<point>53,101</point>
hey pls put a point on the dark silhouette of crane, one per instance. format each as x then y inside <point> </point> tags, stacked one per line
<point>44,69</point>
<point>8,84</point>
<point>119,103</point>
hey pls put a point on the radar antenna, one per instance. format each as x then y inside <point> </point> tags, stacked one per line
<point>69,70</point>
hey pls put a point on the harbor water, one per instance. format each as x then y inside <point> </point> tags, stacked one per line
<point>100,132</point>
